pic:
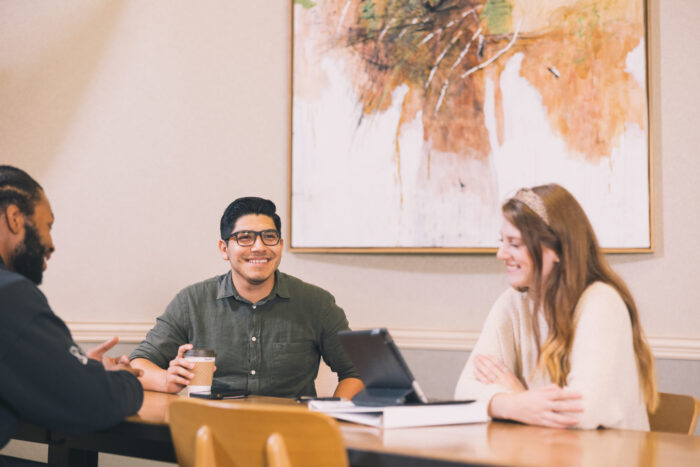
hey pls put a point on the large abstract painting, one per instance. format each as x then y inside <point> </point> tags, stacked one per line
<point>413,120</point>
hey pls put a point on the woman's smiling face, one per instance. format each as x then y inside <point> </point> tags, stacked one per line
<point>519,265</point>
<point>513,252</point>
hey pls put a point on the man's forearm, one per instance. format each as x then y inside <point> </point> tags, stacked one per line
<point>154,377</point>
<point>348,387</point>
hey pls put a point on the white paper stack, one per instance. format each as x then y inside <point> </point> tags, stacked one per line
<point>398,416</point>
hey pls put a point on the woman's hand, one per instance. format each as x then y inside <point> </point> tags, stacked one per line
<point>549,406</point>
<point>491,370</point>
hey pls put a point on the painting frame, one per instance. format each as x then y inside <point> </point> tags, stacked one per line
<point>295,245</point>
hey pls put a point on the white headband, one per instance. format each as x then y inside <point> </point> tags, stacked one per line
<point>533,201</point>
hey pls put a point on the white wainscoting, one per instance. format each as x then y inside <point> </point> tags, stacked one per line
<point>663,347</point>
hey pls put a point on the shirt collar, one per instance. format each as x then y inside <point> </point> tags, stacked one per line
<point>226,288</point>
<point>2,263</point>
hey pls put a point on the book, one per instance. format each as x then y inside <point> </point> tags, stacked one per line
<point>410,415</point>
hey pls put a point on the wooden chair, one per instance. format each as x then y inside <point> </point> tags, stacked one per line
<point>676,413</point>
<point>220,433</point>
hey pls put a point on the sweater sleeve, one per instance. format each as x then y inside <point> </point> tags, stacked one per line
<point>50,381</point>
<point>497,339</point>
<point>603,362</point>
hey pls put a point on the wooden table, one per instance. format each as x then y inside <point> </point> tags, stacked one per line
<point>147,435</point>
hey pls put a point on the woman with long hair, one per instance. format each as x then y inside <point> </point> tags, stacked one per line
<point>563,347</point>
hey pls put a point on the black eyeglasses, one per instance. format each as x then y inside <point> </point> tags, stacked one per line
<point>247,237</point>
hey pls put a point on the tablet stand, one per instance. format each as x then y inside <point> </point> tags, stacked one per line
<point>379,397</point>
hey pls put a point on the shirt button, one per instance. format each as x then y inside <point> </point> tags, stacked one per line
<point>252,372</point>
<point>253,338</point>
<point>255,306</point>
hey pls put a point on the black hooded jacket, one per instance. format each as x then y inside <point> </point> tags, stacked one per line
<point>46,377</point>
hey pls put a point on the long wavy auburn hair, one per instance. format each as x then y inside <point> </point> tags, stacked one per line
<point>581,263</point>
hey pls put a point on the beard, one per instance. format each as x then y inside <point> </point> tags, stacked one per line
<point>28,257</point>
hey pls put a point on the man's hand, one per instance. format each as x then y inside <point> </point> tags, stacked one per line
<point>549,406</point>
<point>348,387</point>
<point>98,352</point>
<point>112,364</point>
<point>491,370</point>
<point>178,374</point>
<point>120,364</point>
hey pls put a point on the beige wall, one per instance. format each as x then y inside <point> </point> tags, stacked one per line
<point>143,121</point>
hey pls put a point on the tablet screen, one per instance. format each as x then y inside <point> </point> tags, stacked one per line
<point>377,358</point>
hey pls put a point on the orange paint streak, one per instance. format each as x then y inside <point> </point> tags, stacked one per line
<point>589,104</point>
<point>594,98</point>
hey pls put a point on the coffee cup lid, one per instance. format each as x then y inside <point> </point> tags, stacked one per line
<point>200,353</point>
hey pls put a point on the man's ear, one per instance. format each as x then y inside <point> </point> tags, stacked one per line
<point>223,248</point>
<point>14,219</point>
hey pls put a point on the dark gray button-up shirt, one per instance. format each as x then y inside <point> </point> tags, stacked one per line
<point>271,347</point>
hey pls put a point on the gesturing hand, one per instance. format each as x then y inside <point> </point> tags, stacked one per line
<point>491,370</point>
<point>549,406</point>
<point>96,353</point>
<point>119,364</point>
<point>112,364</point>
<point>178,374</point>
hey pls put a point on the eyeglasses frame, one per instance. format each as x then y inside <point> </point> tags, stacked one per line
<point>257,233</point>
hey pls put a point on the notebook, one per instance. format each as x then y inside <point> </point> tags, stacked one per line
<point>383,370</point>
<point>404,415</point>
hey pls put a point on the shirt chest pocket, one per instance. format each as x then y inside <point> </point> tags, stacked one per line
<point>294,350</point>
<point>293,358</point>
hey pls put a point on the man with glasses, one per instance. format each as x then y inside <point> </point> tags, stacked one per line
<point>268,329</point>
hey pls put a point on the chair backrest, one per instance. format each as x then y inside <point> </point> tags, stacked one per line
<point>676,413</point>
<point>218,433</point>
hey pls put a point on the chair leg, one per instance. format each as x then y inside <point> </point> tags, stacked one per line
<point>276,451</point>
<point>204,448</point>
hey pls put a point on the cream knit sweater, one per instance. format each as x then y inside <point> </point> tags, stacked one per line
<point>603,362</point>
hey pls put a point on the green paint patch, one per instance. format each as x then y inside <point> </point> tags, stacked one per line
<point>306,4</point>
<point>368,12</point>
<point>497,15</point>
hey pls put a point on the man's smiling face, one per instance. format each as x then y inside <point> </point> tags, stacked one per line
<point>253,266</point>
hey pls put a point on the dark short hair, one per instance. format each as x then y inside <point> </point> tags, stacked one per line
<point>18,188</point>
<point>245,206</point>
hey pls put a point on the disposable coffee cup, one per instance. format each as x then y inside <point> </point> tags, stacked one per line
<point>203,370</point>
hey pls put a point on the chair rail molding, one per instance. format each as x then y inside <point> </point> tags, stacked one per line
<point>675,348</point>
